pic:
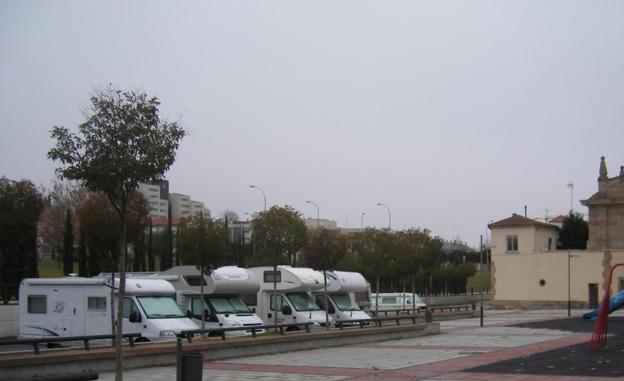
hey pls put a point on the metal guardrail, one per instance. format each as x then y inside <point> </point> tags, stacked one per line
<point>188,335</point>
<point>84,339</point>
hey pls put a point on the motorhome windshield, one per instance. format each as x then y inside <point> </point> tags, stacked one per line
<point>160,307</point>
<point>302,301</point>
<point>344,302</point>
<point>228,305</point>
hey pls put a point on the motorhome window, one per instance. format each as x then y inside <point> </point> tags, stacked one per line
<point>194,280</point>
<point>160,307</point>
<point>272,276</point>
<point>37,304</point>
<point>128,307</point>
<point>387,300</point>
<point>196,306</point>
<point>277,301</point>
<point>225,305</point>
<point>302,301</point>
<point>344,302</point>
<point>320,301</point>
<point>96,303</point>
<point>250,299</point>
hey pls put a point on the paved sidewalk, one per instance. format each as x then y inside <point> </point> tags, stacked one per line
<point>462,345</point>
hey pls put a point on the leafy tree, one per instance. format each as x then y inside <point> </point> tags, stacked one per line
<point>278,234</point>
<point>122,142</point>
<point>100,226</point>
<point>324,250</point>
<point>201,242</point>
<point>60,197</point>
<point>68,245</point>
<point>574,233</point>
<point>21,205</point>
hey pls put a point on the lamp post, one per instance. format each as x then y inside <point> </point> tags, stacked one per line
<point>363,214</point>
<point>318,218</point>
<point>389,215</point>
<point>263,195</point>
<point>571,186</point>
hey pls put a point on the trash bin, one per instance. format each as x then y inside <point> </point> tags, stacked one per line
<point>192,366</point>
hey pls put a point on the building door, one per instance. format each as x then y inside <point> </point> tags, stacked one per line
<point>593,295</point>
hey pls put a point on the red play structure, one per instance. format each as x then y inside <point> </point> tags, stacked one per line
<point>599,336</point>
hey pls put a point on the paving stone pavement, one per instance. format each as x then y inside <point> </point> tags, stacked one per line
<point>462,344</point>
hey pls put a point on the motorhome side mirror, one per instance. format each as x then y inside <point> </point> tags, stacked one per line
<point>286,310</point>
<point>134,317</point>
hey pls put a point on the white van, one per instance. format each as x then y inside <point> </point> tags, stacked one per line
<point>222,289</point>
<point>397,301</point>
<point>341,289</point>
<point>292,302</point>
<point>75,306</point>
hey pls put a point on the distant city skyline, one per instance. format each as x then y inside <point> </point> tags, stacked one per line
<point>451,113</point>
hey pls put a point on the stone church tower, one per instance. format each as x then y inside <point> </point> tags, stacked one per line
<point>606,212</point>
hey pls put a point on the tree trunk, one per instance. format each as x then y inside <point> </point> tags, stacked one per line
<point>326,300</point>
<point>120,295</point>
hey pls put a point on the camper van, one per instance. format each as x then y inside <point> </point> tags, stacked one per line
<point>292,302</point>
<point>75,306</point>
<point>341,289</point>
<point>222,303</point>
<point>397,301</point>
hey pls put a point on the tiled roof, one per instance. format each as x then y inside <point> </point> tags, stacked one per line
<point>518,220</point>
<point>557,220</point>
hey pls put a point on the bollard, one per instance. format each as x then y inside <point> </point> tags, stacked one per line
<point>179,359</point>
<point>428,316</point>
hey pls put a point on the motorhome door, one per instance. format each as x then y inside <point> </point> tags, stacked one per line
<point>133,320</point>
<point>281,309</point>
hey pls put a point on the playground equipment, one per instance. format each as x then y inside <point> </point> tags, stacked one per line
<point>615,303</point>
<point>599,335</point>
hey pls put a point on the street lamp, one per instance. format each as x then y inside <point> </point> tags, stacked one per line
<point>263,195</point>
<point>571,186</point>
<point>389,215</point>
<point>363,214</point>
<point>318,219</point>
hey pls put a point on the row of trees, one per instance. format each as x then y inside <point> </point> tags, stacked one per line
<point>394,260</point>
<point>74,217</point>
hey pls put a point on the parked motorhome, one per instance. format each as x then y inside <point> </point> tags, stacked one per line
<point>222,303</point>
<point>341,289</point>
<point>397,301</point>
<point>75,306</point>
<point>292,302</point>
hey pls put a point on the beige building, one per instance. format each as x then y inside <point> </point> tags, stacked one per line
<point>527,271</point>
<point>183,207</point>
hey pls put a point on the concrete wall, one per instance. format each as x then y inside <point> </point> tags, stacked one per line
<point>27,366</point>
<point>9,317</point>
<point>542,278</point>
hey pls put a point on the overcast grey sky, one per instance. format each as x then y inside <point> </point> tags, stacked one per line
<point>453,113</point>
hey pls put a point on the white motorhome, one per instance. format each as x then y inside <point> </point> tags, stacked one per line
<point>222,289</point>
<point>292,301</point>
<point>75,306</point>
<point>341,289</point>
<point>397,301</point>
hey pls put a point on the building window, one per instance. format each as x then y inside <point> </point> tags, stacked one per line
<point>37,304</point>
<point>512,243</point>
<point>96,303</point>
